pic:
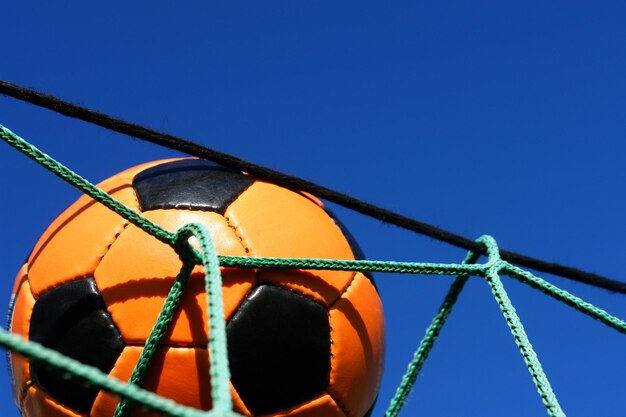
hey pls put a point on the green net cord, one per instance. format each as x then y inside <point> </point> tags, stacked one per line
<point>219,372</point>
<point>517,330</point>
<point>427,343</point>
<point>157,333</point>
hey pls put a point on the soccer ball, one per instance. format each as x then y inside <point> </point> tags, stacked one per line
<point>301,343</point>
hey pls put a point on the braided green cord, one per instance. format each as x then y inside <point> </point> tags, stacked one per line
<point>94,376</point>
<point>517,329</point>
<point>218,356</point>
<point>351,265</point>
<point>565,297</point>
<point>427,343</point>
<point>85,186</point>
<point>157,333</point>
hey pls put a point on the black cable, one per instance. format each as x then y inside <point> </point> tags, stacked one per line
<point>298,184</point>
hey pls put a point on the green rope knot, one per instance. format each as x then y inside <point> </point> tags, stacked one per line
<point>183,247</point>
<point>494,260</point>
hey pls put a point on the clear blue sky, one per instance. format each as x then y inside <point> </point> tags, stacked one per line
<point>479,117</point>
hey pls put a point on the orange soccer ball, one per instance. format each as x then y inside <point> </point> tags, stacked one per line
<point>301,343</point>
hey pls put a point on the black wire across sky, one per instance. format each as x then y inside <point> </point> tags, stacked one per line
<point>299,184</point>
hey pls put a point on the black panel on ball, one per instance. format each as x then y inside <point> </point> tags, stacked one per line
<point>192,184</point>
<point>279,349</point>
<point>73,320</point>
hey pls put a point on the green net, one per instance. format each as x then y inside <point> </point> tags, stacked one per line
<point>131,393</point>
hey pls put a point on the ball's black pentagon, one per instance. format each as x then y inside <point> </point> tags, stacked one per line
<point>192,184</point>
<point>73,320</point>
<point>279,349</point>
<point>354,245</point>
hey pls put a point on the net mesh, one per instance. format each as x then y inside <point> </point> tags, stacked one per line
<point>131,394</point>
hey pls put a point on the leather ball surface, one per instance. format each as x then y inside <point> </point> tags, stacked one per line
<point>301,343</point>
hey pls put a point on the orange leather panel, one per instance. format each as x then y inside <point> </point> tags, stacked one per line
<point>181,374</point>
<point>275,222</point>
<point>74,243</point>
<point>40,404</point>
<point>323,406</point>
<point>138,270</point>
<point>22,311</point>
<point>357,333</point>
